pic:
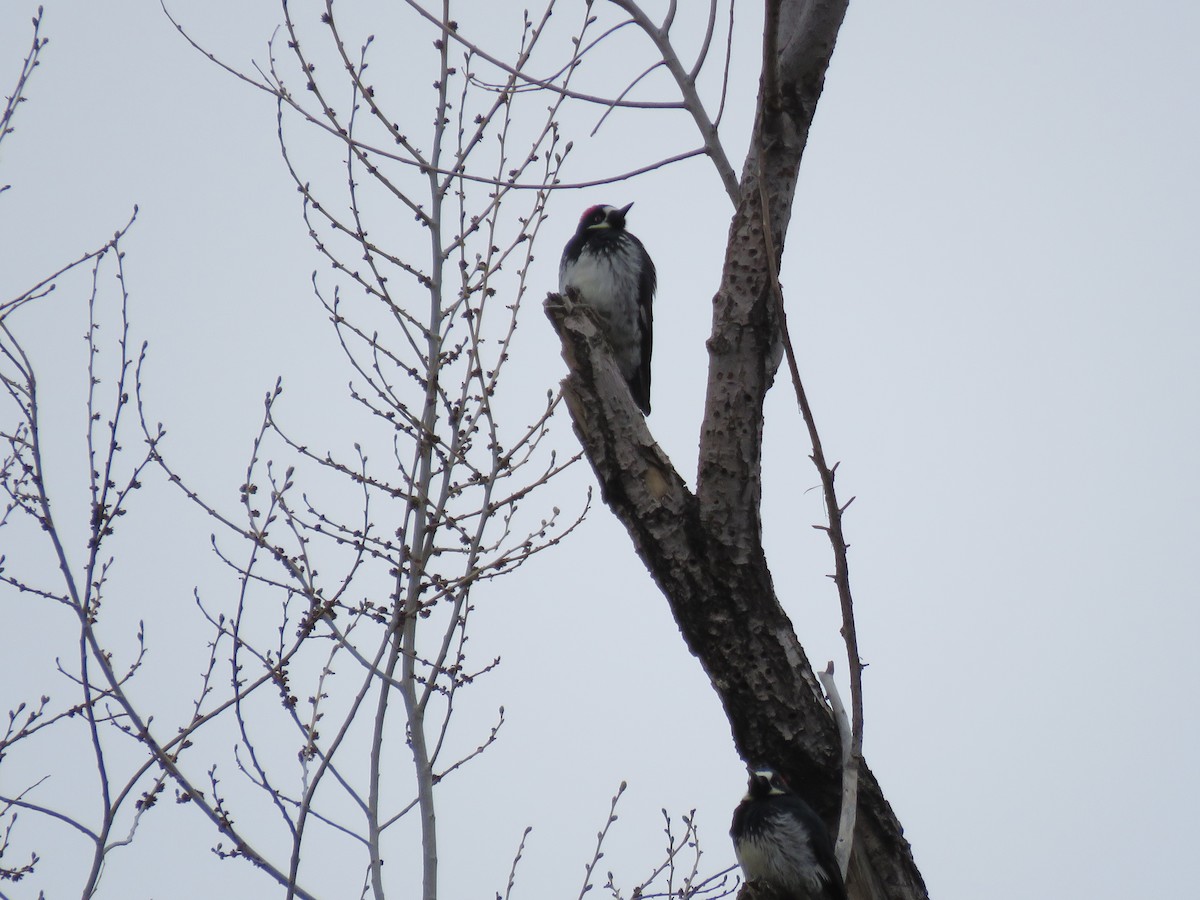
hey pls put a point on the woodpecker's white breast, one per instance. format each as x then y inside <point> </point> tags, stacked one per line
<point>780,854</point>
<point>608,282</point>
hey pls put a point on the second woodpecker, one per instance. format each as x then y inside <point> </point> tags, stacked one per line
<point>613,274</point>
<point>782,844</point>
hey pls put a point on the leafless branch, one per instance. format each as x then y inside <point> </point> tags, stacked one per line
<point>685,80</point>
<point>17,97</point>
<point>598,853</point>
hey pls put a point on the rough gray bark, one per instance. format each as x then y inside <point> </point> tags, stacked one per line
<point>704,550</point>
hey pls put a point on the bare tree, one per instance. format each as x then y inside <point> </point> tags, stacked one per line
<point>704,549</point>
<point>353,617</point>
<point>342,635</point>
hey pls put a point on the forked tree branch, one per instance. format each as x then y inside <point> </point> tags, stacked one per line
<point>685,80</point>
<point>705,549</point>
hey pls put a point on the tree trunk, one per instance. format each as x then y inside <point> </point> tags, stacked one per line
<point>704,550</point>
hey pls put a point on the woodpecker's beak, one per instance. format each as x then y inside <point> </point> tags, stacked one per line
<point>625,210</point>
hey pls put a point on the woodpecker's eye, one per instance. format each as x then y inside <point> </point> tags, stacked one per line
<point>598,217</point>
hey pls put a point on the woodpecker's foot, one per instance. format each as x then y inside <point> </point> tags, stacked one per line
<point>565,301</point>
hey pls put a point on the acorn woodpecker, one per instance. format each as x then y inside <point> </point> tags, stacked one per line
<point>614,275</point>
<point>783,845</point>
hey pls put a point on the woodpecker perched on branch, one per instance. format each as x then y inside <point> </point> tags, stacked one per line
<point>614,275</point>
<point>781,844</point>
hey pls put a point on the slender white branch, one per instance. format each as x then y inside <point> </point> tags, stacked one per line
<point>849,812</point>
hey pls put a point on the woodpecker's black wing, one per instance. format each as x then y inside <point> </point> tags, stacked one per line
<point>647,285</point>
<point>822,844</point>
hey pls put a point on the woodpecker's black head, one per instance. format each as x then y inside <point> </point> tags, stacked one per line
<point>602,216</point>
<point>765,781</point>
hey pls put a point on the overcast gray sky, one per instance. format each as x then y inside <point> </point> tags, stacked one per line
<point>992,281</point>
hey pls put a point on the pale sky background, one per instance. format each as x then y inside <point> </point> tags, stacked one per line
<point>992,281</point>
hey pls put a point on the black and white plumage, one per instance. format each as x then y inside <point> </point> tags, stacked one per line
<point>613,274</point>
<point>782,844</point>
